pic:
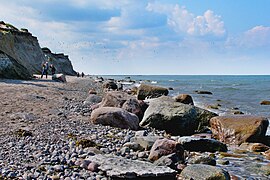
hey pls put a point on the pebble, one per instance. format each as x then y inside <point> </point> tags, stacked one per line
<point>52,151</point>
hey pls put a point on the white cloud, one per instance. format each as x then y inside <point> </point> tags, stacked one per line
<point>183,21</point>
<point>257,37</point>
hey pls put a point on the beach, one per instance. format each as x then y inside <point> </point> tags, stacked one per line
<point>46,133</point>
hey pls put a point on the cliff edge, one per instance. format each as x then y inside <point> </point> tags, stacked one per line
<point>21,55</point>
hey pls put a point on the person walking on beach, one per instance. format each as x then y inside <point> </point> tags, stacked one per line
<point>82,74</point>
<point>52,69</point>
<point>45,68</point>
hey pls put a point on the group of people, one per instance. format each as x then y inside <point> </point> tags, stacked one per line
<point>78,74</point>
<point>45,69</point>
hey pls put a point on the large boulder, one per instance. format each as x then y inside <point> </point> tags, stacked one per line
<point>148,91</point>
<point>239,128</point>
<point>115,117</point>
<point>115,99</point>
<point>202,171</point>
<point>176,118</point>
<point>201,144</point>
<point>123,100</point>
<point>122,168</point>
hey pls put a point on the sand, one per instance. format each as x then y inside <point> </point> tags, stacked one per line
<point>25,104</point>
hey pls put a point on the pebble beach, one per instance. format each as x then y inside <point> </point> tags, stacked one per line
<point>46,133</point>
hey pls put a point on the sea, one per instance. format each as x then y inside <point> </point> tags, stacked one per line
<point>230,93</point>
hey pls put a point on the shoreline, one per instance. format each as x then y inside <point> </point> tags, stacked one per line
<point>55,115</point>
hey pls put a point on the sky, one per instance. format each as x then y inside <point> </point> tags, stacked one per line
<point>163,37</point>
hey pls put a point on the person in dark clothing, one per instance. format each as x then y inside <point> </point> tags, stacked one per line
<point>82,74</point>
<point>45,68</point>
<point>52,69</point>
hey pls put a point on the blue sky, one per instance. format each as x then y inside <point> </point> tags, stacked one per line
<point>151,36</point>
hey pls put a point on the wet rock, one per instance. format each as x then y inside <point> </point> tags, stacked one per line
<point>176,118</point>
<point>118,167</point>
<point>148,91</point>
<point>184,98</point>
<point>265,102</point>
<point>201,144</point>
<point>238,112</point>
<point>239,128</point>
<point>203,92</point>
<point>115,117</point>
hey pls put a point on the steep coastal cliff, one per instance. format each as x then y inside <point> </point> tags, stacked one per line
<point>21,55</point>
<point>60,61</point>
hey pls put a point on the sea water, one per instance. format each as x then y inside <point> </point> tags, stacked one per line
<point>229,92</point>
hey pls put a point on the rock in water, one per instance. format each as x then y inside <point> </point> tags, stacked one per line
<point>239,128</point>
<point>115,117</point>
<point>201,171</point>
<point>148,91</point>
<point>118,167</point>
<point>174,117</point>
<point>201,144</point>
<point>265,102</point>
<point>184,98</point>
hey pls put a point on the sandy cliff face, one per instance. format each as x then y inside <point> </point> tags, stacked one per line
<point>22,47</point>
<point>22,56</point>
<point>9,67</point>
<point>60,61</point>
